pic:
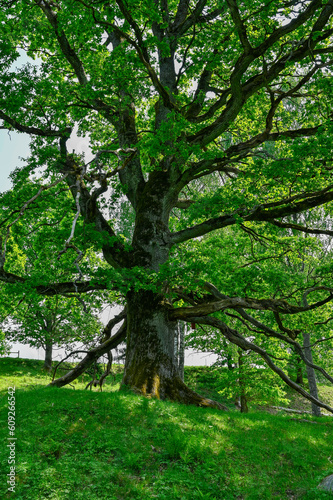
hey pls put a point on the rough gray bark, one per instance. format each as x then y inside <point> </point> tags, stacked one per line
<point>150,357</point>
<point>151,367</point>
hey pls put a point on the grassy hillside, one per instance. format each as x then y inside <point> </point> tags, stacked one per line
<point>76,444</point>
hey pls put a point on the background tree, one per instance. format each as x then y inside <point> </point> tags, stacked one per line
<point>4,345</point>
<point>264,262</point>
<point>236,95</point>
<point>53,322</point>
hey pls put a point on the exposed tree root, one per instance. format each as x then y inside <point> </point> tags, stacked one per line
<point>172,389</point>
<point>177,390</point>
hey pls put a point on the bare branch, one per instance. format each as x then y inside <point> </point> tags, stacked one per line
<point>112,323</point>
<point>91,357</point>
<point>299,227</point>
<point>78,209</point>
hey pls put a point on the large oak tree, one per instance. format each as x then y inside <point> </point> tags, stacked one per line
<point>201,115</point>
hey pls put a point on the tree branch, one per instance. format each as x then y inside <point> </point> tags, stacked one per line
<point>64,44</point>
<point>112,247</point>
<point>269,331</point>
<point>239,24</point>
<point>277,306</point>
<point>181,14</point>
<point>91,357</point>
<point>142,53</point>
<point>240,93</point>
<point>299,227</point>
<point>34,130</point>
<point>185,24</point>
<point>262,213</point>
<point>234,337</point>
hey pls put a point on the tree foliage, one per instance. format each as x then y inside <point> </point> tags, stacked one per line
<point>53,322</point>
<point>209,124</point>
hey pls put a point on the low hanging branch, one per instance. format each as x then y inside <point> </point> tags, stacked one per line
<point>79,351</point>
<point>266,330</point>
<point>236,338</point>
<point>94,354</point>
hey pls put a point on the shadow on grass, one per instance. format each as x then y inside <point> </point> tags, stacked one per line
<point>81,444</point>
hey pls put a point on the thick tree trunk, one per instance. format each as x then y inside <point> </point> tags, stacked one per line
<point>48,357</point>
<point>151,367</point>
<point>311,374</point>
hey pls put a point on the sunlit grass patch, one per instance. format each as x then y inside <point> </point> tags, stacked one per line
<point>76,444</point>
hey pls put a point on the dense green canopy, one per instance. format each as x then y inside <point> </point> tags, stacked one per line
<point>209,125</point>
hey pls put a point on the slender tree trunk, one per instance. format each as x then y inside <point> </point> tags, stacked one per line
<point>151,366</point>
<point>181,353</point>
<point>242,383</point>
<point>230,363</point>
<point>311,374</point>
<point>48,356</point>
<point>179,347</point>
<point>299,375</point>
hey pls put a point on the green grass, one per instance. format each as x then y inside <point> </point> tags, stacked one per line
<point>28,374</point>
<point>76,444</point>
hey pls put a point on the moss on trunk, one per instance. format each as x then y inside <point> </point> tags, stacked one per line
<point>151,366</point>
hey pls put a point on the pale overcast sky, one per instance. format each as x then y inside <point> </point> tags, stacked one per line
<point>12,146</point>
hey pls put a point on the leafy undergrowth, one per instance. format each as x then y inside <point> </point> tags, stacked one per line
<point>76,444</point>
<point>297,402</point>
<point>209,382</point>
